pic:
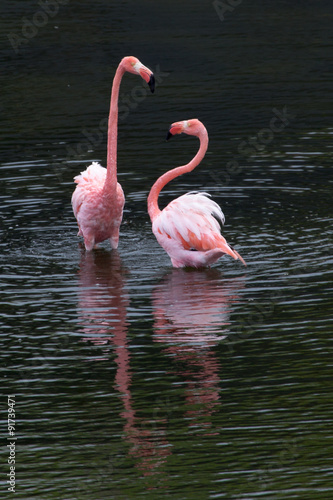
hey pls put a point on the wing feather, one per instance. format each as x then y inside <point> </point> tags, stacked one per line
<point>94,173</point>
<point>87,181</point>
<point>194,219</point>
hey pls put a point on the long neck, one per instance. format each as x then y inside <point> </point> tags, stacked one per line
<point>111,175</point>
<point>153,208</point>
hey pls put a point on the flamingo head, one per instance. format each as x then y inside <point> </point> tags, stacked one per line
<point>190,127</point>
<point>133,65</point>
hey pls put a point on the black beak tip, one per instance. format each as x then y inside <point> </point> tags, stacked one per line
<point>151,83</point>
<point>169,135</point>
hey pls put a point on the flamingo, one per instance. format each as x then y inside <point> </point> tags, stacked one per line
<point>189,227</point>
<point>98,199</point>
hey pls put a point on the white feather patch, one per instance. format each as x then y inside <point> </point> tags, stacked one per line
<point>190,212</point>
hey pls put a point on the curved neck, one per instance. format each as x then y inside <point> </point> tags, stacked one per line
<point>111,165</point>
<point>153,208</point>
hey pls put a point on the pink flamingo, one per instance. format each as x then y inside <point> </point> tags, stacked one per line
<point>98,199</point>
<point>188,228</point>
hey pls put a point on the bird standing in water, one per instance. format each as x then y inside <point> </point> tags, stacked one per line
<point>98,199</point>
<point>189,227</point>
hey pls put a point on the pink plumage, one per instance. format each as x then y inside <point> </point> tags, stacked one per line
<point>98,199</point>
<point>189,227</point>
<point>98,212</point>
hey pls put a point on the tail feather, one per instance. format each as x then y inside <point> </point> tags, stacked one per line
<point>236,256</point>
<point>223,245</point>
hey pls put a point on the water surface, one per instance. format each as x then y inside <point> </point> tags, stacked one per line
<point>133,379</point>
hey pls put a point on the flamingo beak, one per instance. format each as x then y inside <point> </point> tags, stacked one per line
<point>176,128</point>
<point>148,77</point>
<point>151,83</point>
<point>169,135</point>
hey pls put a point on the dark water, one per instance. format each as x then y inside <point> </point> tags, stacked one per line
<point>132,379</point>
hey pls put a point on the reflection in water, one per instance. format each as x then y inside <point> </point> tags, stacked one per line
<point>103,307</point>
<point>192,314</point>
<point>103,301</point>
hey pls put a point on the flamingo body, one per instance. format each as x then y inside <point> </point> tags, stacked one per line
<point>98,214</point>
<point>189,227</point>
<point>98,199</point>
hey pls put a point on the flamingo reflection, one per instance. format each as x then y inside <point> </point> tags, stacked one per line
<point>103,306</point>
<point>192,315</point>
<point>103,298</point>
